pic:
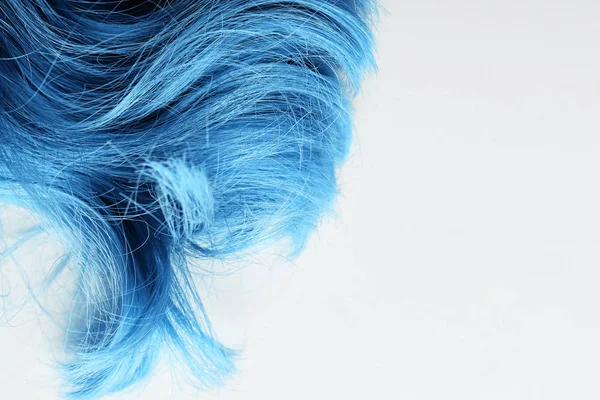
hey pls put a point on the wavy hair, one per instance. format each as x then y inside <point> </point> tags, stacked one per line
<point>151,134</point>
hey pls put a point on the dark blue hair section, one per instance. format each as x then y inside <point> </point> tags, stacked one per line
<point>150,134</point>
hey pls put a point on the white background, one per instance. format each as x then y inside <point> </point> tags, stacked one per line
<point>464,263</point>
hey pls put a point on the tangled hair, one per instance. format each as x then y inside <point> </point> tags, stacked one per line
<point>151,134</point>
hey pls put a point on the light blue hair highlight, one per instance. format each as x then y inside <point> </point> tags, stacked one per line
<point>149,134</point>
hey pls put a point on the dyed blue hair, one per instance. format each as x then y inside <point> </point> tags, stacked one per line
<point>152,133</point>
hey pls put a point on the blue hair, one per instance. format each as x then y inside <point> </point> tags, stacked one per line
<point>152,133</point>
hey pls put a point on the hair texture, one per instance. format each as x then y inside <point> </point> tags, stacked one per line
<point>156,136</point>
